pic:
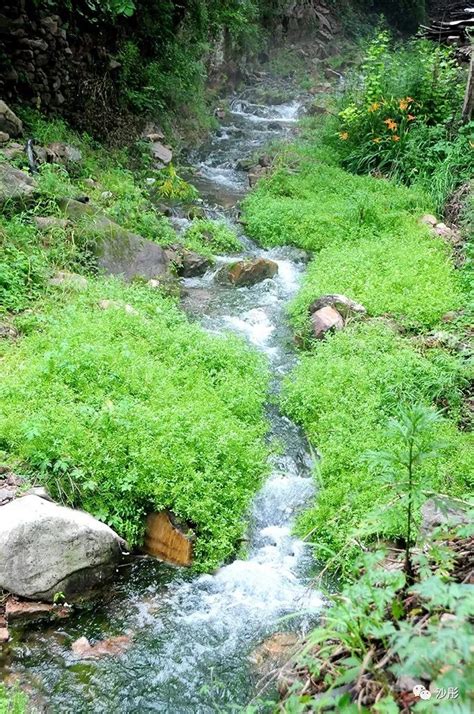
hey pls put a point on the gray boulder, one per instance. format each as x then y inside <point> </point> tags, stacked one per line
<point>119,251</point>
<point>46,549</point>
<point>9,122</point>
<point>15,185</point>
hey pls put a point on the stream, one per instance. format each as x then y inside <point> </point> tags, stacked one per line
<point>192,636</point>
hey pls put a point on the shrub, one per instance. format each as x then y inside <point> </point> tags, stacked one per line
<point>12,701</point>
<point>401,115</point>
<point>132,413</point>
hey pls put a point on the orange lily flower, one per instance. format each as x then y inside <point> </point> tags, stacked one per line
<point>410,117</point>
<point>374,106</point>
<point>343,135</point>
<point>395,137</point>
<point>392,125</point>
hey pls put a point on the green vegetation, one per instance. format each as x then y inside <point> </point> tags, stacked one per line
<point>210,237</point>
<point>370,246</point>
<point>12,701</point>
<point>402,117</point>
<point>342,393</point>
<point>129,413</point>
<point>379,631</point>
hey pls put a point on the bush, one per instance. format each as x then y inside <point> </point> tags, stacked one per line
<point>12,701</point>
<point>401,116</point>
<point>133,413</point>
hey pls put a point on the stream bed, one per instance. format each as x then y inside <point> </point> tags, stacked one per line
<point>191,637</point>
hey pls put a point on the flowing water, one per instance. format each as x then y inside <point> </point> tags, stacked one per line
<point>191,636</point>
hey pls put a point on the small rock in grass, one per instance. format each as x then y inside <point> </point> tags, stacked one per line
<point>45,223</point>
<point>4,137</point>
<point>324,320</point>
<point>405,683</point>
<point>429,220</point>
<point>117,304</point>
<point>442,229</point>
<point>70,280</point>
<point>8,331</point>
<point>344,305</point>
<point>155,284</point>
<point>9,122</point>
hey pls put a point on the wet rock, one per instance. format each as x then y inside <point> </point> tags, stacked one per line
<point>46,549</point>
<point>9,122</point>
<point>82,648</point>
<point>4,137</point>
<point>274,651</point>
<point>15,185</point>
<point>256,174</point>
<point>324,320</point>
<point>196,300</point>
<point>316,110</point>
<point>69,280</point>
<point>153,132</point>
<point>160,152</point>
<point>166,541</point>
<point>344,305</point>
<point>46,223</point>
<point>26,611</point>
<point>441,511</point>
<point>274,126</point>
<point>4,635</point>
<point>188,264</point>
<point>248,272</point>
<point>118,251</point>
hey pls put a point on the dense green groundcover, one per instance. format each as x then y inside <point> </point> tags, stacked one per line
<point>343,394</point>
<point>123,413</point>
<point>369,244</point>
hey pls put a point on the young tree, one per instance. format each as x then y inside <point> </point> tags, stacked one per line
<point>401,466</point>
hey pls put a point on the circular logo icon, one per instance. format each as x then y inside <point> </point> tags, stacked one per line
<point>420,691</point>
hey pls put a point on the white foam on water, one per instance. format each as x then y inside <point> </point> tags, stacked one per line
<point>255,324</point>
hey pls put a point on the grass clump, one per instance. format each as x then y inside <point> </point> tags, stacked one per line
<point>342,394</point>
<point>209,237</point>
<point>12,701</point>
<point>129,413</point>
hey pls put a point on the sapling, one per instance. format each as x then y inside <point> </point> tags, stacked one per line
<point>401,465</point>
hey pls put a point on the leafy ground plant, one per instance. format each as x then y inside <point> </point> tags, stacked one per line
<point>134,410</point>
<point>382,644</point>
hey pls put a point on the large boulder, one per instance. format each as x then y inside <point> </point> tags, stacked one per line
<point>15,185</point>
<point>46,549</point>
<point>344,305</point>
<point>119,251</point>
<point>9,122</point>
<point>248,272</point>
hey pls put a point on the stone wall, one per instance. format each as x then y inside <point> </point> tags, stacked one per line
<point>52,62</point>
